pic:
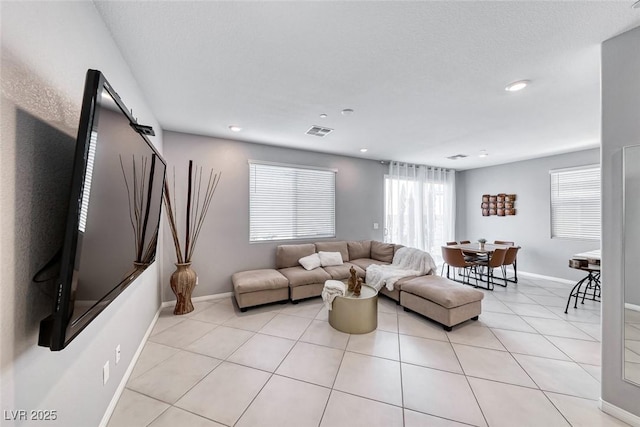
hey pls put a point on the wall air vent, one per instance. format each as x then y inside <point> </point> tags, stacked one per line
<point>319,131</point>
<point>457,156</point>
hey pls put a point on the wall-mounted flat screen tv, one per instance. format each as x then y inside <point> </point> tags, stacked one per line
<point>113,216</point>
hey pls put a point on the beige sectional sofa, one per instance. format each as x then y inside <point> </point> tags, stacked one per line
<point>309,283</point>
<point>291,281</point>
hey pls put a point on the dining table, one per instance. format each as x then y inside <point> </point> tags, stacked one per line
<point>482,251</point>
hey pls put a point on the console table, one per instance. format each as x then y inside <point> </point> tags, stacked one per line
<point>589,286</point>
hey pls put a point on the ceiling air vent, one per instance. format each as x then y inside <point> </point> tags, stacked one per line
<point>457,156</point>
<point>319,131</point>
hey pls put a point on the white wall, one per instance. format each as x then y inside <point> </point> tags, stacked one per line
<point>620,127</point>
<point>223,247</point>
<point>531,226</point>
<point>47,48</point>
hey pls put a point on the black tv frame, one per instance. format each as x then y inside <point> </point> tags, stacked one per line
<point>56,331</point>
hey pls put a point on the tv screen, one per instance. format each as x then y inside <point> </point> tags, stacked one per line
<point>114,213</point>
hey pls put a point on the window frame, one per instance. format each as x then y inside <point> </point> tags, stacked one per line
<point>297,195</point>
<point>569,234</point>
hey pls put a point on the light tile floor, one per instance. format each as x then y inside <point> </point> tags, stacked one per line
<point>524,362</point>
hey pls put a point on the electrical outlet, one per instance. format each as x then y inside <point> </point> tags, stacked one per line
<point>375,226</point>
<point>117,354</point>
<point>197,280</point>
<point>105,373</point>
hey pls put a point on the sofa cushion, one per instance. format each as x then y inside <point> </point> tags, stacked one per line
<point>363,263</point>
<point>442,291</point>
<point>298,276</point>
<point>359,249</point>
<point>334,247</point>
<point>382,251</point>
<point>402,281</point>
<point>258,280</point>
<point>288,255</point>
<point>310,262</point>
<point>330,258</point>
<point>341,272</point>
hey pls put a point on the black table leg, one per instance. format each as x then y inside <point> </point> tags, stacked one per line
<point>574,293</point>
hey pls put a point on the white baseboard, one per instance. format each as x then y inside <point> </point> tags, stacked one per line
<point>620,413</point>
<point>199,299</point>
<point>633,307</point>
<point>553,279</point>
<point>127,374</point>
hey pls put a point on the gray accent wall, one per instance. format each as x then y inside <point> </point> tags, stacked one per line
<point>223,247</point>
<point>47,48</point>
<point>620,127</point>
<point>531,226</point>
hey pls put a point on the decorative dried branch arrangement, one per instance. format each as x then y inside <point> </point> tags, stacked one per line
<point>198,202</point>
<point>138,185</point>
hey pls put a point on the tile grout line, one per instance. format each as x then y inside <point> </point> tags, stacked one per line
<point>400,367</point>
<point>557,408</point>
<point>466,378</point>
<point>312,320</point>
<point>271,373</point>
<point>324,410</point>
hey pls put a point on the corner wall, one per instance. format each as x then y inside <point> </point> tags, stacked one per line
<point>620,127</point>
<point>223,247</point>
<point>47,48</point>
<point>531,226</point>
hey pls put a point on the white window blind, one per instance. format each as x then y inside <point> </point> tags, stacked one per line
<point>575,203</point>
<point>290,202</point>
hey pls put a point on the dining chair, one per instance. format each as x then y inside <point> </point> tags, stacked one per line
<point>495,261</point>
<point>455,258</point>
<point>470,256</point>
<point>444,263</point>
<point>503,242</point>
<point>510,260</point>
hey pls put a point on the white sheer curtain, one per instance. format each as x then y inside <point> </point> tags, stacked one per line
<point>420,207</point>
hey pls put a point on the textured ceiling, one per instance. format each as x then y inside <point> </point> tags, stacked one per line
<point>426,79</point>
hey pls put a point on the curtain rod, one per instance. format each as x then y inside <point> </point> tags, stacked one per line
<point>415,165</point>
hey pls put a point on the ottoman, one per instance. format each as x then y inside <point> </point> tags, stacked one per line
<point>440,299</point>
<point>256,287</point>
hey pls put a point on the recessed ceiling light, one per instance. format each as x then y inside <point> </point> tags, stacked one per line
<point>516,86</point>
<point>364,150</point>
<point>483,153</point>
<point>347,112</point>
<point>235,128</point>
<point>323,116</point>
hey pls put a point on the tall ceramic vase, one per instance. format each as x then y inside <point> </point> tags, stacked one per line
<point>183,280</point>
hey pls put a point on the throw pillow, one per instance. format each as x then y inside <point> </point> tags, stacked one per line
<point>330,258</point>
<point>310,262</point>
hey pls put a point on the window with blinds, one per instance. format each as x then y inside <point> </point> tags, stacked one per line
<point>575,203</point>
<point>290,202</point>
